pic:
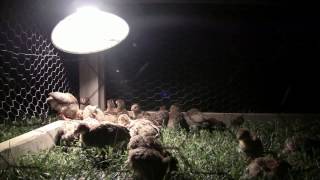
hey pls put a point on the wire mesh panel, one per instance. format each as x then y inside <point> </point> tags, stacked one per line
<point>216,58</point>
<point>165,84</point>
<point>30,68</point>
<point>206,64</point>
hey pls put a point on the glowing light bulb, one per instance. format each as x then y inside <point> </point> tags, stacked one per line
<point>89,30</point>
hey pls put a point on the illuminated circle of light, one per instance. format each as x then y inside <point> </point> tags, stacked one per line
<point>89,30</point>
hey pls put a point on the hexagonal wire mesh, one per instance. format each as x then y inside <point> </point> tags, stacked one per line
<point>161,68</point>
<point>30,68</point>
<point>243,70</point>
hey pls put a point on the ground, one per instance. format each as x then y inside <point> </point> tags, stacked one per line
<point>201,155</point>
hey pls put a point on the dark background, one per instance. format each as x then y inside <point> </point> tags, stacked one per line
<point>221,56</point>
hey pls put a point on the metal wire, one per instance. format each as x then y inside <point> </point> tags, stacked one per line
<point>30,68</point>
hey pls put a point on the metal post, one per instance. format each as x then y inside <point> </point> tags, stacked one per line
<point>91,79</point>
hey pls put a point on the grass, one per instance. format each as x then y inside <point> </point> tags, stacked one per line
<point>201,155</point>
<point>17,128</point>
<point>73,163</point>
<point>205,155</point>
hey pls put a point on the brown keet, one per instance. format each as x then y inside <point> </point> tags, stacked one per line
<point>176,118</point>
<point>65,104</point>
<point>144,141</point>
<point>137,113</point>
<point>237,122</point>
<point>146,155</point>
<point>93,112</point>
<point>157,118</point>
<point>111,118</point>
<point>124,120</point>
<point>195,115</point>
<point>111,107</point>
<point>161,117</point>
<point>121,107</point>
<point>103,135</point>
<point>309,145</point>
<point>249,144</point>
<point>196,120</point>
<point>143,127</point>
<point>149,163</point>
<point>193,118</point>
<point>64,137</point>
<point>213,124</point>
<point>267,168</point>
<point>67,132</point>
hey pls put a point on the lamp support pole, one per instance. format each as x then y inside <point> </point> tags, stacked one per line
<point>91,79</point>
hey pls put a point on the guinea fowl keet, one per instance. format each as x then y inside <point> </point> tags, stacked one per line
<point>144,141</point>
<point>196,120</point>
<point>111,107</point>
<point>267,168</point>
<point>249,144</point>
<point>143,127</point>
<point>149,163</point>
<point>176,118</point>
<point>103,135</point>
<point>136,111</point>
<point>306,144</point>
<point>65,104</point>
<point>121,107</point>
<point>93,112</point>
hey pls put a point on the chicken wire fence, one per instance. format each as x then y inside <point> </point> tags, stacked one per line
<point>157,88</point>
<point>30,68</point>
<point>199,67</point>
<point>169,70</point>
<point>156,65</point>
